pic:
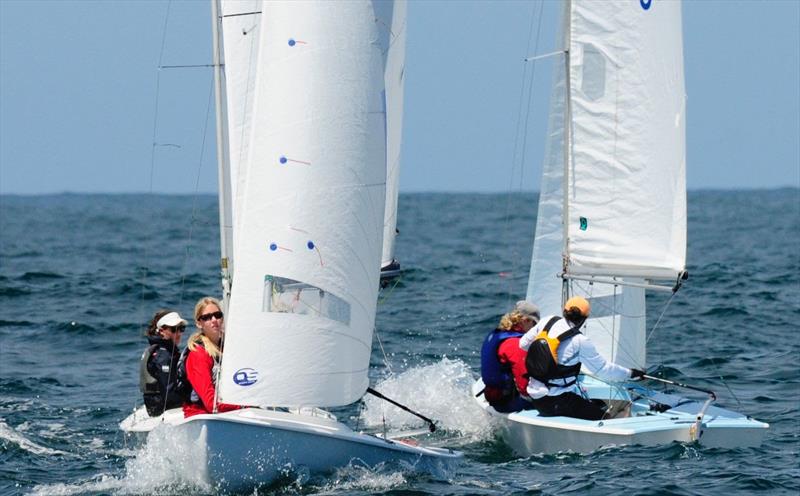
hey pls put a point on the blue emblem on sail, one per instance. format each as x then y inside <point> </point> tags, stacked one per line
<point>245,377</point>
<point>645,4</point>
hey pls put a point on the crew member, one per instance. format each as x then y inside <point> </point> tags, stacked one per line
<point>158,369</point>
<point>560,396</point>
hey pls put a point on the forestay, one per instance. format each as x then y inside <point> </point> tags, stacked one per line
<point>623,169</point>
<point>309,222</point>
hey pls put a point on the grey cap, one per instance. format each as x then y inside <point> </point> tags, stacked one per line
<point>527,308</point>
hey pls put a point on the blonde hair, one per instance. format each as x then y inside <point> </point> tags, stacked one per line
<point>198,338</point>
<point>511,320</point>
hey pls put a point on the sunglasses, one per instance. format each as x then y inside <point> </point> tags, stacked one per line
<point>178,328</point>
<point>208,316</point>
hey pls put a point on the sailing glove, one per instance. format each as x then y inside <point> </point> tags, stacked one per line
<point>637,374</point>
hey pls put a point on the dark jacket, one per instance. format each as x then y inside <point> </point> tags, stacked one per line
<point>158,374</point>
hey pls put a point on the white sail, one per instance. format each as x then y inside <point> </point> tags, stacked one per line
<point>240,35</point>
<point>310,220</point>
<point>394,46</point>
<point>625,168</point>
<point>626,176</point>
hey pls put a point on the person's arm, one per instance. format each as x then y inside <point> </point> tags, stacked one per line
<point>597,365</point>
<point>530,336</point>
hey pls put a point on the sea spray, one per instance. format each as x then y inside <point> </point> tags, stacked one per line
<point>354,478</point>
<point>440,391</point>
<point>168,462</point>
<point>169,457</point>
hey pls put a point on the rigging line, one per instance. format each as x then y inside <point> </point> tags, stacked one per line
<point>530,97</point>
<point>153,147</point>
<point>196,189</point>
<point>389,293</point>
<point>658,321</point>
<point>383,352</point>
<point>377,334</point>
<point>513,255</point>
<point>724,382</point>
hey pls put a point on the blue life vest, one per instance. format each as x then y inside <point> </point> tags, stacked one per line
<point>493,373</point>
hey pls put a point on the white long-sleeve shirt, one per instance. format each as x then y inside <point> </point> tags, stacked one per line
<point>578,349</point>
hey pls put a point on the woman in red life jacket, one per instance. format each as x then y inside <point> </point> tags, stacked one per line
<point>202,362</point>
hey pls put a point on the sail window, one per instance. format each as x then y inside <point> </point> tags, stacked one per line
<point>593,77</point>
<point>283,295</point>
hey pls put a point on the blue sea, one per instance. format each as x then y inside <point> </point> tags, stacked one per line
<point>81,274</point>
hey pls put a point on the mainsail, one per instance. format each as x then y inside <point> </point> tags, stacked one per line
<point>309,217</point>
<point>612,198</point>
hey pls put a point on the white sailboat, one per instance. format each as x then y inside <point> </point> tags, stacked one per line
<point>302,132</point>
<point>612,221</point>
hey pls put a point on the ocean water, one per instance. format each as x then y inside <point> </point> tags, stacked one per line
<point>81,274</point>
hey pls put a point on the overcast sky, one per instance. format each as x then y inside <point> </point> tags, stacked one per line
<point>80,107</point>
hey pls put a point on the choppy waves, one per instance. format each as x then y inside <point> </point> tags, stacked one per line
<point>80,275</point>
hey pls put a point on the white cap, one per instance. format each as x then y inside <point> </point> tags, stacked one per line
<point>171,319</point>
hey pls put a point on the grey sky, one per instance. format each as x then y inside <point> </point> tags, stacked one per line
<point>78,95</point>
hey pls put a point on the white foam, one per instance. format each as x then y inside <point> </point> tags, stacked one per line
<point>354,478</point>
<point>9,434</point>
<point>440,391</point>
<point>103,484</point>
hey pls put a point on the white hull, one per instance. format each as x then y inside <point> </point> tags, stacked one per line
<point>248,448</point>
<point>527,433</point>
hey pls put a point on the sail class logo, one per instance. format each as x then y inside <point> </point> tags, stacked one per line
<point>245,377</point>
<point>645,4</point>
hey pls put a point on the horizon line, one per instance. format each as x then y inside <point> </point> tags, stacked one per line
<point>411,192</point>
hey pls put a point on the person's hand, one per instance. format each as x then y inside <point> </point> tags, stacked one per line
<point>637,374</point>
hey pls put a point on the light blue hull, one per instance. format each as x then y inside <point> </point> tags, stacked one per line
<point>249,448</point>
<point>528,433</point>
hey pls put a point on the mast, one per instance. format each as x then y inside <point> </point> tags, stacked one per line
<point>223,162</point>
<point>567,127</point>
